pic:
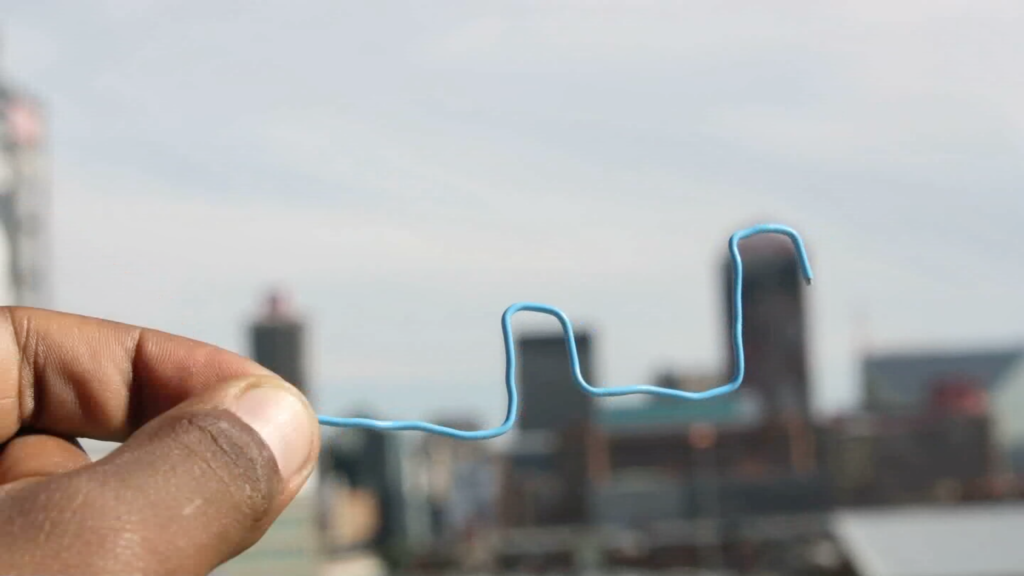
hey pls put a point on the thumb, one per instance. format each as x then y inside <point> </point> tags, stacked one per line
<point>187,492</point>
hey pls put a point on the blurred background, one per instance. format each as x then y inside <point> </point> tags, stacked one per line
<point>352,193</point>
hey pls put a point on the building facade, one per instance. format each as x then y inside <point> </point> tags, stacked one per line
<point>548,471</point>
<point>774,331</point>
<point>967,382</point>
<point>551,399</point>
<point>277,341</point>
<point>25,251</point>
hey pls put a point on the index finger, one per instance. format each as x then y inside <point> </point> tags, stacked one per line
<point>81,377</point>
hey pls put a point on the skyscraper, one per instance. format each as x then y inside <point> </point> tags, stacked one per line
<point>24,201</point>
<point>277,341</point>
<point>551,400</point>
<point>774,338</point>
<point>549,471</point>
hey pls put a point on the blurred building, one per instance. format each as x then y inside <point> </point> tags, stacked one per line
<point>885,460</point>
<point>960,382</point>
<point>24,200</point>
<point>370,501</point>
<point>551,399</point>
<point>460,481</point>
<point>277,341</point>
<point>669,483</point>
<point>691,382</point>
<point>713,458</point>
<point>774,332</point>
<point>546,477</point>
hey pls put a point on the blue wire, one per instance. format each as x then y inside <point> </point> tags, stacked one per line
<point>570,342</point>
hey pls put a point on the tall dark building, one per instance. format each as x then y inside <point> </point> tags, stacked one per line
<point>551,400</point>
<point>774,337</point>
<point>277,341</point>
<point>548,478</point>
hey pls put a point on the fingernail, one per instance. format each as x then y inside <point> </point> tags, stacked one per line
<point>282,420</point>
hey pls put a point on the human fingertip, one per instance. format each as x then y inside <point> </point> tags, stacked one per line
<point>284,420</point>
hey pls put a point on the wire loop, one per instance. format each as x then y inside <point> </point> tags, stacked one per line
<point>570,342</point>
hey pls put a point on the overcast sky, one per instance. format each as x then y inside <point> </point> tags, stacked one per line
<point>411,169</point>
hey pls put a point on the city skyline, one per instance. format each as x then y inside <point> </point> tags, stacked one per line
<point>409,175</point>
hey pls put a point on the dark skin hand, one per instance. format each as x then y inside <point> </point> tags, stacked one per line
<point>214,448</point>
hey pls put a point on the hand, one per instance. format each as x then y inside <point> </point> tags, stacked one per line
<point>215,447</point>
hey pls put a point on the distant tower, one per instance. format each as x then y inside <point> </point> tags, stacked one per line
<point>557,413</point>
<point>24,201</point>
<point>277,341</point>
<point>774,337</point>
<point>551,400</point>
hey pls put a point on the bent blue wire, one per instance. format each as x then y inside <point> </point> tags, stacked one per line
<point>570,342</point>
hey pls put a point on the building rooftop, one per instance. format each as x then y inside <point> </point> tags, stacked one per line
<point>903,380</point>
<point>728,409</point>
<point>277,307</point>
<point>975,540</point>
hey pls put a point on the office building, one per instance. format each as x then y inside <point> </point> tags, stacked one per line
<point>551,399</point>
<point>458,479</point>
<point>910,459</point>
<point>548,470</point>
<point>24,200</point>
<point>277,341</point>
<point>967,382</point>
<point>370,501</point>
<point>774,332</point>
<point>548,477</point>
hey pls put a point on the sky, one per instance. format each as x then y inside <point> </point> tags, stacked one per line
<point>408,170</point>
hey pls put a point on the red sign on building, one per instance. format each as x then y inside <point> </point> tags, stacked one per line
<point>958,395</point>
<point>24,123</point>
